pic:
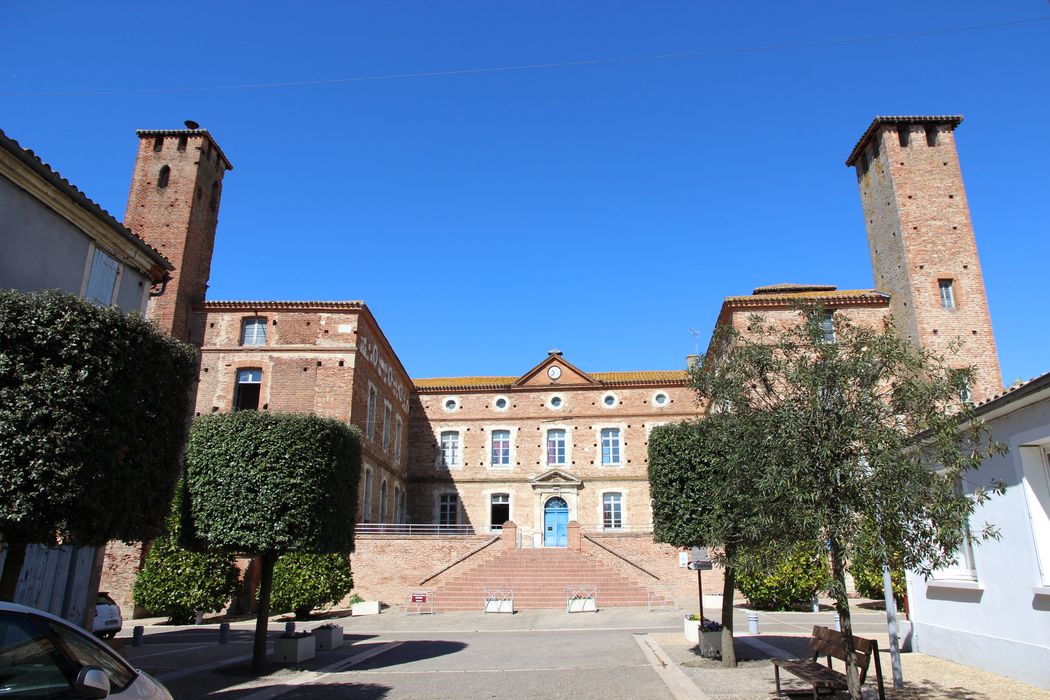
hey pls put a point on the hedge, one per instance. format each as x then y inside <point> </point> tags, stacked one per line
<point>790,580</point>
<point>302,582</point>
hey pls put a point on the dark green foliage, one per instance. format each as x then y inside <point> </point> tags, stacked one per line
<point>867,570</point>
<point>302,582</point>
<point>789,581</point>
<point>93,407</point>
<point>271,482</point>
<point>177,583</point>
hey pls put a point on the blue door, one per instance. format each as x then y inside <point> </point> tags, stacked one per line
<point>556,523</point>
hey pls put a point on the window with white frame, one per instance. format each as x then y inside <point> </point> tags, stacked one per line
<point>366,501</point>
<point>963,570</point>
<point>397,442</point>
<point>499,510</point>
<point>246,393</point>
<point>556,446</point>
<point>102,279</point>
<point>448,509</point>
<point>1035,462</point>
<point>500,448</point>
<point>450,453</point>
<point>386,427</point>
<point>382,502</point>
<point>370,421</point>
<point>612,511</point>
<point>610,445</point>
<point>253,331</point>
<point>947,293</point>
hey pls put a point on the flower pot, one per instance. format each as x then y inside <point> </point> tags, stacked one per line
<point>582,605</point>
<point>328,638</point>
<point>691,630</point>
<point>499,606</point>
<point>368,607</point>
<point>294,650</point>
<point>711,645</point>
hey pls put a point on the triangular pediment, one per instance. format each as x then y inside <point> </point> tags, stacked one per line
<point>555,477</point>
<point>564,374</point>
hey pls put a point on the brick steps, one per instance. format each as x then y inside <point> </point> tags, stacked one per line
<point>538,578</point>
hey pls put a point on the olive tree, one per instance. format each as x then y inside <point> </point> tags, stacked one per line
<point>868,428</point>
<point>264,484</point>
<point>93,407</point>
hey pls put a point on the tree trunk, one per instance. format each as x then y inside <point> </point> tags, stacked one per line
<point>728,589</point>
<point>16,557</point>
<point>838,590</point>
<point>263,613</point>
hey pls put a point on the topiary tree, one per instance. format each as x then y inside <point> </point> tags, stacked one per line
<point>177,582</point>
<point>269,483</point>
<point>707,490</point>
<point>302,582</point>
<point>93,407</point>
<point>785,581</point>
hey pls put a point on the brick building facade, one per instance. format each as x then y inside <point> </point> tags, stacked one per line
<point>558,452</point>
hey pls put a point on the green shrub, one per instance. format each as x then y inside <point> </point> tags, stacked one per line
<point>867,570</point>
<point>178,583</point>
<point>780,582</point>
<point>302,582</point>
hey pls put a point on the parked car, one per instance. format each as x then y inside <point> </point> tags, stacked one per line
<point>107,620</point>
<point>43,656</point>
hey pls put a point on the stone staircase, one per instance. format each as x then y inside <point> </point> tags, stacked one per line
<point>538,578</point>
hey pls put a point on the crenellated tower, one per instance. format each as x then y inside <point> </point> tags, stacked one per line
<point>174,206</point>
<point>922,244</point>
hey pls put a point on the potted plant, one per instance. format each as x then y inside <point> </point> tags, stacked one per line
<point>293,647</point>
<point>705,632</point>
<point>582,603</point>
<point>328,637</point>
<point>359,606</point>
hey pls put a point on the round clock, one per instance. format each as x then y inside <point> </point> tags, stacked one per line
<point>554,372</point>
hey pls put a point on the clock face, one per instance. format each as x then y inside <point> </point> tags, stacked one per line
<point>554,372</point>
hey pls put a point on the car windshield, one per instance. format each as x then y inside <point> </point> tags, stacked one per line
<point>104,599</point>
<point>30,665</point>
<point>87,652</point>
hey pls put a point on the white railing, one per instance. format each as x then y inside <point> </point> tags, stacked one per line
<point>413,529</point>
<point>592,529</point>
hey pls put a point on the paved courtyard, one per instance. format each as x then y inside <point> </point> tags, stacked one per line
<point>615,653</point>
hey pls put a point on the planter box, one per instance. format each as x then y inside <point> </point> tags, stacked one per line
<point>292,651</point>
<point>328,638</point>
<point>711,645</point>
<point>499,606</point>
<point>368,607</point>
<point>691,630</point>
<point>581,605</point>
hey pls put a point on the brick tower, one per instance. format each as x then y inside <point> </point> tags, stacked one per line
<point>174,205</point>
<point>922,244</point>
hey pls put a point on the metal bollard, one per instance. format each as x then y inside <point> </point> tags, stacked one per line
<point>289,628</point>
<point>224,633</point>
<point>136,635</point>
<point>198,617</point>
<point>816,604</point>
<point>752,623</point>
<point>837,624</point>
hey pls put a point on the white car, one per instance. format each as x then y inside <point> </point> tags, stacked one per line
<point>43,656</point>
<point>107,620</point>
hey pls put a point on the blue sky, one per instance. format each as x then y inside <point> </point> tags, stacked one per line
<point>603,208</point>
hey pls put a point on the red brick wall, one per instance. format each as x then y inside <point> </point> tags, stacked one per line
<point>919,231</point>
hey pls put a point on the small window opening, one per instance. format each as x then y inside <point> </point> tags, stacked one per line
<point>827,327</point>
<point>213,202</point>
<point>207,150</point>
<point>182,143</point>
<point>158,143</point>
<point>499,510</point>
<point>246,394</point>
<point>931,135</point>
<point>947,293</point>
<point>903,135</point>
<point>163,176</point>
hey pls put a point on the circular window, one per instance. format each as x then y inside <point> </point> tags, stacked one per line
<point>500,403</point>
<point>451,403</point>
<point>660,399</point>
<point>610,400</point>
<point>556,402</point>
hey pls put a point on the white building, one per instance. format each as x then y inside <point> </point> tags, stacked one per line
<point>992,610</point>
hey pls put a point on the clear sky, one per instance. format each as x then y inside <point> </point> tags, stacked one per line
<point>604,208</point>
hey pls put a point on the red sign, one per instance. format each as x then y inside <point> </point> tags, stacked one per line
<point>419,597</point>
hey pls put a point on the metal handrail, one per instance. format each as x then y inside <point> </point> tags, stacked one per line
<point>413,529</point>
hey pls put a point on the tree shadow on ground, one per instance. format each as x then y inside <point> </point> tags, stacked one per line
<point>409,652</point>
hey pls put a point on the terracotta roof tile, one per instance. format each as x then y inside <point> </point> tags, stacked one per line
<point>605,378</point>
<point>765,299</point>
<point>282,305</point>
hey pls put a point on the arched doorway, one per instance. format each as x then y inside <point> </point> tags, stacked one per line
<point>555,522</point>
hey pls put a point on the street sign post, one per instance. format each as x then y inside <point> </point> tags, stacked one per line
<point>699,560</point>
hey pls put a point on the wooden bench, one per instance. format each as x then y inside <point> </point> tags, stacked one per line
<point>827,642</point>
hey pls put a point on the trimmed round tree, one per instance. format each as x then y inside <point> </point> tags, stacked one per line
<point>302,582</point>
<point>264,484</point>
<point>93,407</point>
<point>177,582</point>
